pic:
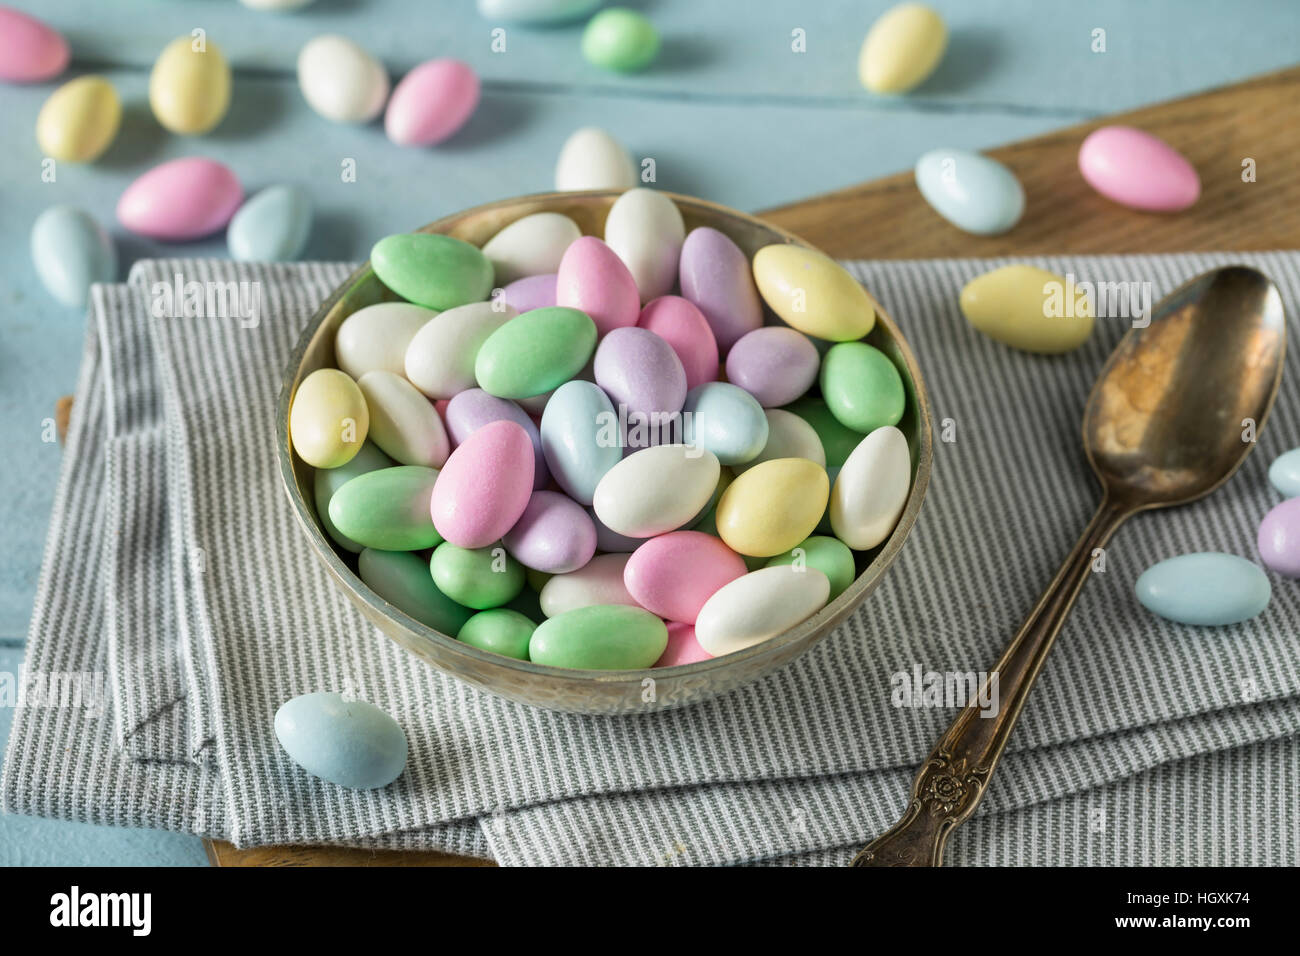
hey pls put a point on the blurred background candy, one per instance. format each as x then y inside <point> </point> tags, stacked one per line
<point>431,102</point>
<point>340,80</point>
<point>189,88</point>
<point>30,50</point>
<point>71,251</point>
<point>80,120</point>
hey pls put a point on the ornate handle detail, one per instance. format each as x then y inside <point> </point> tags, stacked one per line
<point>953,779</point>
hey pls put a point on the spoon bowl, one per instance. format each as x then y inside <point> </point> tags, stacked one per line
<point>1178,404</point>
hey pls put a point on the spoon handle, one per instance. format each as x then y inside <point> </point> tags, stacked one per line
<point>953,779</point>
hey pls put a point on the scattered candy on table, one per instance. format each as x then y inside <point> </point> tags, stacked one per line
<point>80,120</point>
<point>271,226</point>
<point>1132,167</point>
<point>536,11</point>
<point>1284,473</point>
<point>182,199</point>
<point>31,51</point>
<point>620,39</point>
<point>902,48</point>
<point>1279,538</point>
<point>431,102</point>
<point>1206,588</point>
<point>348,742</point>
<point>340,80</point>
<point>592,159</point>
<point>71,251</point>
<point>189,88</point>
<point>275,5</point>
<point>973,192</point>
<point>1026,308</point>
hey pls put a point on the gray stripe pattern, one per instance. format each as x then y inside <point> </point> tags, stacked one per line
<point>174,566</point>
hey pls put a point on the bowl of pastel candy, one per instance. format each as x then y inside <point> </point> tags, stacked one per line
<point>604,452</point>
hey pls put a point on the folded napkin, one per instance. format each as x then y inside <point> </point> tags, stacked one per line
<point>175,569</point>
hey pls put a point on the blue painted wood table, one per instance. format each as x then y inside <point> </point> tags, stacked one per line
<point>731,111</point>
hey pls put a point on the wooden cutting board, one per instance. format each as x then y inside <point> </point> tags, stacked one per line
<point>887,219</point>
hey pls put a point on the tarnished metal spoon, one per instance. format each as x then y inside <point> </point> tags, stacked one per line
<point>1171,417</point>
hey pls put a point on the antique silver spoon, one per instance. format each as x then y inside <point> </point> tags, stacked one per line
<point>1172,415</point>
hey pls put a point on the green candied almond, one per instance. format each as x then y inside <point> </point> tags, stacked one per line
<point>837,441</point>
<point>329,480</point>
<point>831,556</point>
<point>402,579</point>
<point>602,637</point>
<point>862,387</point>
<point>620,39</point>
<point>499,630</point>
<point>476,577</point>
<point>388,509</point>
<point>535,352</point>
<point>435,271</point>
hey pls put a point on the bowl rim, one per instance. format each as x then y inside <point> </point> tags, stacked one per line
<point>828,617</point>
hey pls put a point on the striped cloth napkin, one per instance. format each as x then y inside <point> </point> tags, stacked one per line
<point>175,570</point>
